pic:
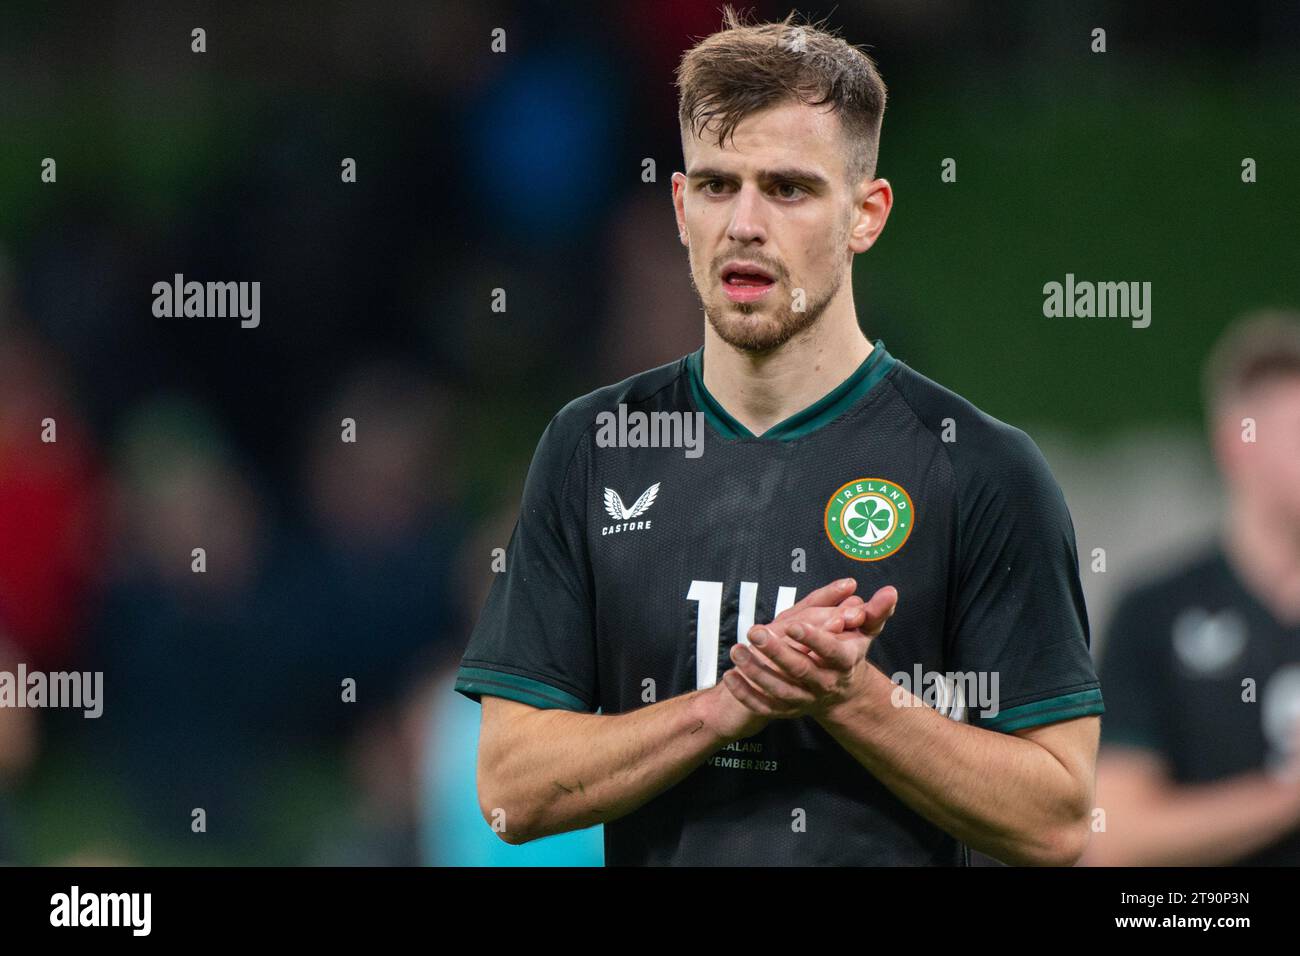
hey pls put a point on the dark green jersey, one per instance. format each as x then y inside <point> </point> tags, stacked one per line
<point>632,571</point>
<point>1200,672</point>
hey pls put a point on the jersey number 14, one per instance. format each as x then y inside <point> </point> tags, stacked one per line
<point>708,622</point>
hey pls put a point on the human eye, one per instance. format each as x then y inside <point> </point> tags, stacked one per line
<point>705,187</point>
<point>796,190</point>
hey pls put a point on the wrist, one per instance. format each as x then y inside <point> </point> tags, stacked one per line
<point>864,695</point>
<point>705,716</point>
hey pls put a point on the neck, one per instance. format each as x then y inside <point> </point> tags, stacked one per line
<point>1265,553</point>
<point>761,389</point>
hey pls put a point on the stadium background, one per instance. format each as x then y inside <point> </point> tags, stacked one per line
<point>520,171</point>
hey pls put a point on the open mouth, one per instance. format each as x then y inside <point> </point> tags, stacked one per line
<point>745,283</point>
<point>750,280</point>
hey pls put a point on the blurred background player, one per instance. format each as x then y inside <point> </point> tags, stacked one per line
<point>1200,759</point>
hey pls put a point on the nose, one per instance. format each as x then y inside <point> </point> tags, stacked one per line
<point>747,217</point>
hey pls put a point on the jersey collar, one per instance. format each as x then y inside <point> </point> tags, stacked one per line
<point>823,411</point>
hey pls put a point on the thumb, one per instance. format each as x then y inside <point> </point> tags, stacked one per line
<point>879,609</point>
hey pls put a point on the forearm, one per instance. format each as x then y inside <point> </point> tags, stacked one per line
<point>1000,794</point>
<point>558,770</point>
<point>1210,824</point>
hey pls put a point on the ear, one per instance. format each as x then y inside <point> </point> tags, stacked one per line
<point>679,206</point>
<point>872,201</point>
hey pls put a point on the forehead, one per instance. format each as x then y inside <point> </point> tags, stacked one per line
<point>791,133</point>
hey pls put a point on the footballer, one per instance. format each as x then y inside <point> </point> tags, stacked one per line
<point>713,683</point>
<point>1200,759</point>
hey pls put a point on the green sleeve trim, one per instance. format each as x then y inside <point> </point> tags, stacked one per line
<point>474,682</point>
<point>1063,707</point>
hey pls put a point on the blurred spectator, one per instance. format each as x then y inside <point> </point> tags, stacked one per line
<point>184,653</point>
<point>1200,761</point>
<point>51,503</point>
<point>373,592</point>
<point>371,588</point>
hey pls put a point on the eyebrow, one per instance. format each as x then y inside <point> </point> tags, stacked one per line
<point>784,174</point>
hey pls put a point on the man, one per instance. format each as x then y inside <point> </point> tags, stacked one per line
<point>824,459</point>
<point>1201,751</point>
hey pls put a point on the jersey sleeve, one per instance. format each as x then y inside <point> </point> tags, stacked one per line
<point>1020,622</point>
<point>534,641</point>
<point>1132,671</point>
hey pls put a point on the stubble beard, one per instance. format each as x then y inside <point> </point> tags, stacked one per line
<point>777,323</point>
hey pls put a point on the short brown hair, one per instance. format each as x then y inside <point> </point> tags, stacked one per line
<point>1258,348</point>
<point>747,67</point>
